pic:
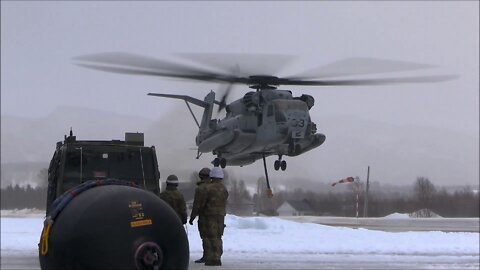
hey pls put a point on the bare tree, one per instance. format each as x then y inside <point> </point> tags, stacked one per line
<point>424,192</point>
<point>263,204</point>
<point>42,176</point>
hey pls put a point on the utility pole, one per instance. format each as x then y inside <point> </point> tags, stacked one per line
<point>365,202</point>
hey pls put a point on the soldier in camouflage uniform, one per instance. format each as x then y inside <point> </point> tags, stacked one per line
<point>174,198</point>
<point>215,211</point>
<point>198,208</point>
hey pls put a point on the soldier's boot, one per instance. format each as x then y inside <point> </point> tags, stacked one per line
<point>216,245</point>
<point>208,251</point>
<point>204,246</point>
<point>213,263</point>
<point>201,260</point>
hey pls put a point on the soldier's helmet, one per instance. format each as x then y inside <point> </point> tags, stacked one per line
<point>172,180</point>
<point>204,172</point>
<point>216,173</point>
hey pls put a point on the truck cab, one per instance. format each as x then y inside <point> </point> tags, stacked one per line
<point>75,162</point>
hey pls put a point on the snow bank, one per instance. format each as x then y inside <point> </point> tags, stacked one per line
<point>23,213</point>
<point>267,235</point>
<point>397,216</point>
<point>274,235</point>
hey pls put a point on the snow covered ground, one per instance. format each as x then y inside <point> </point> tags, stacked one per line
<point>266,243</point>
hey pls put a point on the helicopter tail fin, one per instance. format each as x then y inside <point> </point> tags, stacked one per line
<point>190,99</point>
<point>207,104</point>
<point>208,110</point>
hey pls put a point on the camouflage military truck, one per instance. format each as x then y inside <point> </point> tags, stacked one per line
<point>75,162</point>
<point>103,203</point>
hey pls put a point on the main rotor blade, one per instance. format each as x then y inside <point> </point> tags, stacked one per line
<point>134,71</point>
<point>223,101</point>
<point>242,65</point>
<point>380,81</point>
<point>359,66</point>
<point>126,63</point>
<point>129,60</point>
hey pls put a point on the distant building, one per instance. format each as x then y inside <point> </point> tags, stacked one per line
<point>295,208</point>
<point>424,213</point>
<point>242,208</point>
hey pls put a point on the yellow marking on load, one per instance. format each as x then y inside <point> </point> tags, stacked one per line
<point>44,239</point>
<point>138,223</point>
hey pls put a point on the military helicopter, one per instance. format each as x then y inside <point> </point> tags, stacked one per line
<point>265,121</point>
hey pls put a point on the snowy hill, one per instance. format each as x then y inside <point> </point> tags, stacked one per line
<point>397,154</point>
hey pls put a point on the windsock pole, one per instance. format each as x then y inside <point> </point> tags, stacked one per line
<point>349,180</point>
<point>357,206</point>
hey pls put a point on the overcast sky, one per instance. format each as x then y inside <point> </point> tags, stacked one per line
<point>39,40</point>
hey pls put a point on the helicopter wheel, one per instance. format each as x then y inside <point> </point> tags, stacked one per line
<point>223,163</point>
<point>276,165</point>
<point>283,165</point>
<point>216,162</point>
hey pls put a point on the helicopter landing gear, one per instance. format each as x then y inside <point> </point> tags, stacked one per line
<point>276,165</point>
<point>283,165</point>
<point>280,164</point>
<point>223,163</point>
<point>220,162</point>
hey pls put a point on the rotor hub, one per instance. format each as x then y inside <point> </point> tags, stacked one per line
<point>261,82</point>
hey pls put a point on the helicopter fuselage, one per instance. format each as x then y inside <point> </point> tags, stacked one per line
<point>267,122</point>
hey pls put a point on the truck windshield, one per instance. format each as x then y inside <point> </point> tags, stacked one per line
<point>88,163</point>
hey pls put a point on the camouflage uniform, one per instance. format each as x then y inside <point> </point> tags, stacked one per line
<point>198,209</point>
<point>214,225</point>
<point>175,199</point>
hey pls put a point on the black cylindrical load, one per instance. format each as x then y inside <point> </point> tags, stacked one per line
<point>116,227</point>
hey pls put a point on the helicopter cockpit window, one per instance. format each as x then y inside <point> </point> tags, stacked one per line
<point>284,105</point>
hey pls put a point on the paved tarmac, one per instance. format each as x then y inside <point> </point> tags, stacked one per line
<point>311,261</point>
<point>396,224</point>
